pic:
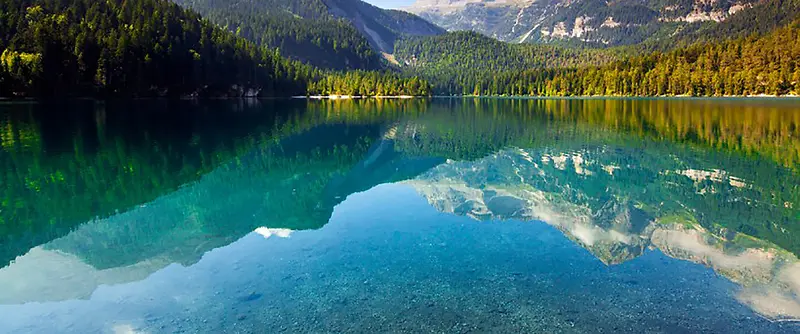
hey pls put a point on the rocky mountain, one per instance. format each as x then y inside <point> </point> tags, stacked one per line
<point>594,21</point>
<point>506,20</point>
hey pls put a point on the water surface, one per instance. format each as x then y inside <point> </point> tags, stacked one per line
<point>444,215</point>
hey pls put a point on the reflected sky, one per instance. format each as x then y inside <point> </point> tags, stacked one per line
<point>445,215</point>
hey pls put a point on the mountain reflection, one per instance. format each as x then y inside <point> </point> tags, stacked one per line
<point>617,214</point>
<point>102,159</point>
<point>293,181</point>
<point>705,181</point>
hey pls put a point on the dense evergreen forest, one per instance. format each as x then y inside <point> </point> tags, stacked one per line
<point>370,83</point>
<point>331,34</point>
<point>300,29</point>
<point>450,60</point>
<point>133,47</point>
<point>757,64</point>
<point>470,51</point>
<point>139,48</point>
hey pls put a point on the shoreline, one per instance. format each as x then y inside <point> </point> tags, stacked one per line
<point>765,96</point>
<point>351,97</point>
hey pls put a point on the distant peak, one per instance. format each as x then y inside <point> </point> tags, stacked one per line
<point>454,5</point>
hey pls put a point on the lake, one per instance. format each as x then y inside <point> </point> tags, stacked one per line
<point>424,215</point>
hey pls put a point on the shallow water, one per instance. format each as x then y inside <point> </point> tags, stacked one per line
<point>444,215</point>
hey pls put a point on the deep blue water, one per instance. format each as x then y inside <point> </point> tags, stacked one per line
<point>406,217</point>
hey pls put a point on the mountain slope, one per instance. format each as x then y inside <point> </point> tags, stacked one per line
<point>382,27</point>
<point>505,20</point>
<point>603,22</point>
<point>335,34</point>
<point>455,56</point>
<point>302,30</point>
<point>761,19</point>
<point>470,51</point>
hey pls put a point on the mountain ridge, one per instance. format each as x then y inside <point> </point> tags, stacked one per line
<point>598,22</point>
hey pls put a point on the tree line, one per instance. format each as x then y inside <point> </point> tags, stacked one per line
<point>370,83</point>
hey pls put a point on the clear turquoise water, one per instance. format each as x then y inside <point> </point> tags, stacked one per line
<point>401,216</point>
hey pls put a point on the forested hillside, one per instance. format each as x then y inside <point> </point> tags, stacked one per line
<point>131,47</point>
<point>137,48</point>
<point>465,51</point>
<point>766,64</point>
<point>381,26</point>
<point>300,29</point>
<point>451,59</point>
<point>335,34</point>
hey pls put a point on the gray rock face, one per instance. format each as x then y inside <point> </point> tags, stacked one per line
<point>594,21</point>
<point>381,27</point>
<point>505,20</point>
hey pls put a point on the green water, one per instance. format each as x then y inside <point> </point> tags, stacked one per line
<point>443,215</point>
